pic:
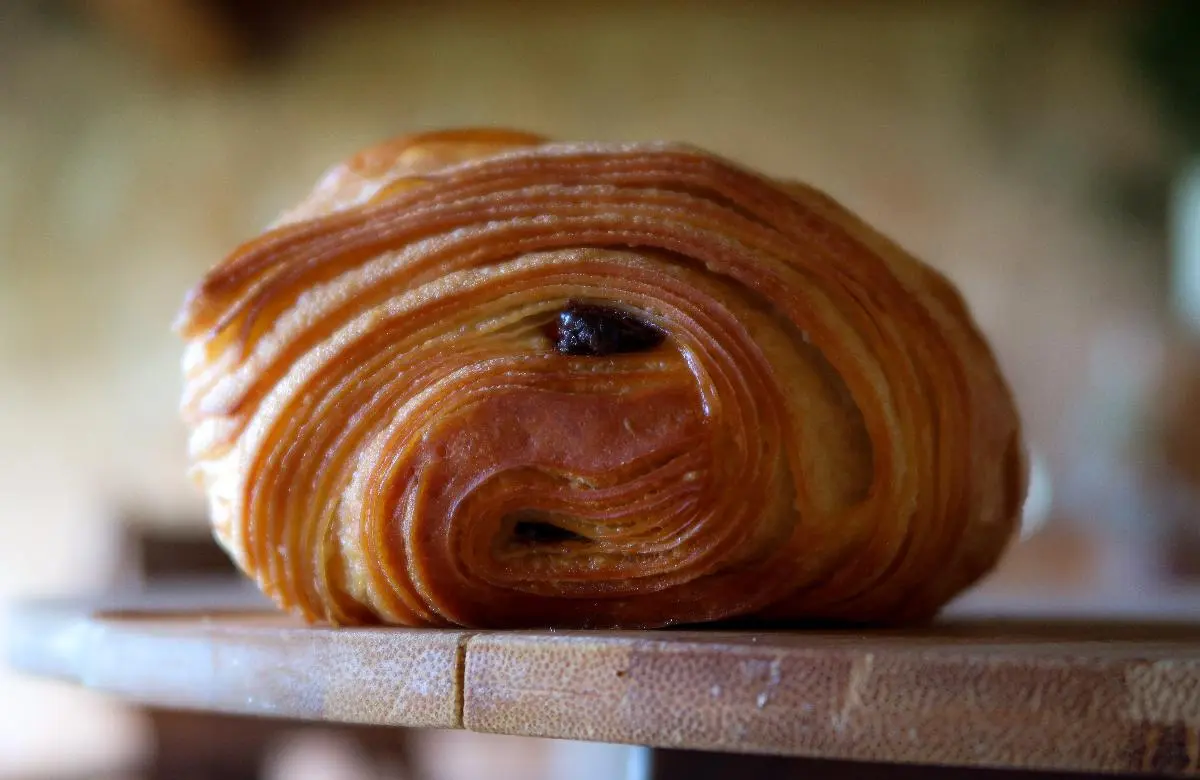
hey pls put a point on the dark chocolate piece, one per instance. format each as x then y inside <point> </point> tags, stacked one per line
<point>588,329</point>
<point>541,532</point>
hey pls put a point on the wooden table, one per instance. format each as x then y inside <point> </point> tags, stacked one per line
<point>1003,694</point>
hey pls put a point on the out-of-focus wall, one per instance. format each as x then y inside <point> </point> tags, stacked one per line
<point>983,137</point>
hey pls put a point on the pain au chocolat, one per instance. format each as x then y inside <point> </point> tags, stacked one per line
<point>483,378</point>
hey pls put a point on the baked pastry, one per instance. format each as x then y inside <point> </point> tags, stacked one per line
<point>480,378</point>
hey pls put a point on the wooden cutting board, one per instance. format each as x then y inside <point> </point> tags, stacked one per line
<point>1113,696</point>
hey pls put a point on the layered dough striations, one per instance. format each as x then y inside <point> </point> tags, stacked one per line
<point>389,429</point>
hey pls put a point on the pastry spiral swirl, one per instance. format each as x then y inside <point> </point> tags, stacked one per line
<point>480,378</point>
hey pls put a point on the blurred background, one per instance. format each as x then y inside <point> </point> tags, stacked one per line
<point>1045,155</point>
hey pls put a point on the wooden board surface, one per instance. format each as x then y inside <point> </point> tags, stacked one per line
<point>1063,695</point>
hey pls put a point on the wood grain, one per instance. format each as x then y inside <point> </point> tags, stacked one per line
<point>965,695</point>
<point>246,661</point>
<point>1076,696</point>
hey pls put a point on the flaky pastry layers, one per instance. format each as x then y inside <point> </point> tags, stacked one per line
<point>392,423</point>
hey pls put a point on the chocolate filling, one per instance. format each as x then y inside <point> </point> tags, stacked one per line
<point>541,532</point>
<point>588,329</point>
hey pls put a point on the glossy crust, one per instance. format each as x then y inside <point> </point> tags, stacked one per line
<point>374,403</point>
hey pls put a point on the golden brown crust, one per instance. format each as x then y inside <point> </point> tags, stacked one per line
<point>375,405</point>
